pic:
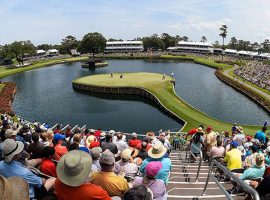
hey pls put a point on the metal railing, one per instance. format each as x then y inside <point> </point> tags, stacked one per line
<point>195,157</point>
<point>246,188</point>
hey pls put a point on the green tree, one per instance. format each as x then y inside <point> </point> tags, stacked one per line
<point>223,33</point>
<point>178,38</point>
<point>22,49</point>
<point>168,40</point>
<point>112,40</point>
<point>93,43</point>
<point>203,39</point>
<point>153,42</point>
<point>216,44</point>
<point>44,47</point>
<point>233,43</point>
<point>68,43</point>
<point>185,38</point>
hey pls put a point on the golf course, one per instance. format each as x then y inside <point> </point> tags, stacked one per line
<point>163,90</point>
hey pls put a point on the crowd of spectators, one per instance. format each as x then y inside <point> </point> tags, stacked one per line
<point>82,164</point>
<point>246,156</point>
<point>255,72</point>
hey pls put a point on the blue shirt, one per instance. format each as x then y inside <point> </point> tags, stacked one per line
<point>260,136</point>
<point>163,174</point>
<point>253,172</point>
<point>14,168</point>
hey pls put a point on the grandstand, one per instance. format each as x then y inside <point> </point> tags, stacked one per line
<point>194,47</point>
<point>124,47</point>
<point>192,175</point>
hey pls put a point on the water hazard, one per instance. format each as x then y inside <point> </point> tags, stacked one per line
<point>47,95</point>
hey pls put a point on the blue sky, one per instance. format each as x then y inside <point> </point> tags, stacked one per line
<point>48,21</point>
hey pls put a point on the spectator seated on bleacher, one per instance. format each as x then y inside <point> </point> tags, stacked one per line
<point>36,148</point>
<point>13,188</point>
<point>108,144</point>
<point>233,157</point>
<point>256,171</point>
<point>143,152</point>
<point>47,166</point>
<point>139,192</point>
<point>73,171</point>
<point>95,153</point>
<point>11,166</point>
<point>217,151</point>
<point>120,142</point>
<point>107,179</point>
<point>134,141</point>
<point>125,167</point>
<point>60,150</point>
<point>156,153</point>
<point>149,180</point>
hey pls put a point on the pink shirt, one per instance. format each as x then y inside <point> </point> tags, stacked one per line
<point>217,152</point>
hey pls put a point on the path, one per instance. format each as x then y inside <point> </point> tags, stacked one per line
<point>265,95</point>
<point>182,185</point>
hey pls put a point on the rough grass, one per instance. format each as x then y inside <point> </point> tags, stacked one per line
<point>164,91</point>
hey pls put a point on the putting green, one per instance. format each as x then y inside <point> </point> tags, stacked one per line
<point>164,92</point>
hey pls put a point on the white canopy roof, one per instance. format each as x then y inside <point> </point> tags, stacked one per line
<point>40,51</point>
<point>195,43</point>
<point>125,42</point>
<point>52,51</point>
<point>230,51</point>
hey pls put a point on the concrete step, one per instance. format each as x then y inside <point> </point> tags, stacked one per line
<point>193,191</point>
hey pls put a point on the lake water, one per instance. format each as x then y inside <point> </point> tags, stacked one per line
<point>47,95</point>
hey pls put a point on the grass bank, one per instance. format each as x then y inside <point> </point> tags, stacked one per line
<point>5,71</point>
<point>164,92</point>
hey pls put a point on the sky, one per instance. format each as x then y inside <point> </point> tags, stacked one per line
<point>49,21</point>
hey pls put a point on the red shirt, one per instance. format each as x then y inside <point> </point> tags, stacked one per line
<point>94,144</point>
<point>60,151</point>
<point>97,133</point>
<point>85,191</point>
<point>134,143</point>
<point>48,167</point>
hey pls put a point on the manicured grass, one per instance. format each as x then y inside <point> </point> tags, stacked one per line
<point>164,91</point>
<point>4,71</point>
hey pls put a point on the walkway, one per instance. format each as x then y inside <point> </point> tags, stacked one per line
<point>265,95</point>
<point>182,185</point>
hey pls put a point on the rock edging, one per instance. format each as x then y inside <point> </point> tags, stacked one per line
<point>6,97</point>
<point>129,91</point>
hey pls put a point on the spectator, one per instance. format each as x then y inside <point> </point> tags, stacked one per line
<point>73,170</point>
<point>60,150</point>
<point>156,153</point>
<point>35,149</point>
<point>97,133</point>
<point>107,179</point>
<point>58,129</point>
<point>217,151</point>
<point>166,143</point>
<point>240,136</point>
<point>92,142</point>
<point>157,186</point>
<point>260,135</point>
<point>109,145</point>
<point>134,141</point>
<point>139,192</point>
<point>256,171</point>
<point>143,153</point>
<point>77,138</point>
<point>11,166</point>
<point>102,137</point>
<point>267,157</point>
<point>120,143</point>
<point>123,167</point>
<point>95,153</point>
<point>197,142</point>
<point>47,166</point>
<point>211,138</point>
<point>233,157</point>
<point>13,188</point>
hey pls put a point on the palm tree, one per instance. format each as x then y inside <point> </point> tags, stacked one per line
<point>223,33</point>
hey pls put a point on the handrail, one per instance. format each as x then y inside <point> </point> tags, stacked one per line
<point>254,194</point>
<point>200,160</point>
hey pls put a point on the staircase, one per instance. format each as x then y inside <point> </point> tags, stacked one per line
<point>182,185</point>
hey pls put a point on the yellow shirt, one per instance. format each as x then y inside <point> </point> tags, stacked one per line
<point>109,181</point>
<point>233,159</point>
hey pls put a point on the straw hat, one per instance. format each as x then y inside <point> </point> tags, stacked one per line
<point>199,130</point>
<point>157,151</point>
<point>10,132</point>
<point>259,160</point>
<point>126,155</point>
<point>134,152</point>
<point>74,167</point>
<point>239,129</point>
<point>10,148</point>
<point>90,138</point>
<point>13,188</point>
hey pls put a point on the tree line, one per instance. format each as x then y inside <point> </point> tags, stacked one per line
<point>95,43</point>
